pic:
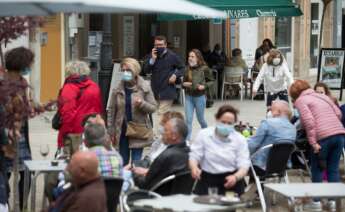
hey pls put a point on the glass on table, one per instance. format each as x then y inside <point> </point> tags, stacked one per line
<point>213,194</point>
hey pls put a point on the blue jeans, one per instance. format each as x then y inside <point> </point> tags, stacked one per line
<point>331,149</point>
<point>127,153</point>
<point>199,104</point>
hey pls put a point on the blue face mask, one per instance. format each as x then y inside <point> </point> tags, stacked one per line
<point>224,130</point>
<point>25,71</point>
<point>127,76</point>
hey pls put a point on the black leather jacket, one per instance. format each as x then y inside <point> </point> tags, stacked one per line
<point>173,160</point>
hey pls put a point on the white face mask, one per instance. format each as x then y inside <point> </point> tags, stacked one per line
<point>269,115</point>
<point>192,63</point>
<point>276,61</point>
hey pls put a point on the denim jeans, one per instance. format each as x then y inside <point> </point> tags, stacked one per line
<point>199,104</point>
<point>127,153</point>
<point>331,149</point>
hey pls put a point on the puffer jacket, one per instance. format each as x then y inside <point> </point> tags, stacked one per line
<point>319,116</point>
<point>117,111</point>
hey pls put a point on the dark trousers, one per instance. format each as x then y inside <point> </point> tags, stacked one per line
<point>217,180</point>
<point>331,149</point>
<point>283,95</point>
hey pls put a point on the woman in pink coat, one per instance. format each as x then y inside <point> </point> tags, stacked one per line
<point>321,120</point>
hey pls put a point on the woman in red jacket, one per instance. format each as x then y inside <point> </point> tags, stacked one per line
<point>78,97</point>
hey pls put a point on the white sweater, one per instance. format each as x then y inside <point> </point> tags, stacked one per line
<point>275,78</point>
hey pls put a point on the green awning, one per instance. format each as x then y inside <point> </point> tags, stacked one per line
<point>237,9</point>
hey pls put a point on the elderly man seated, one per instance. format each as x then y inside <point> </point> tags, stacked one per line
<point>87,192</point>
<point>271,131</point>
<point>110,161</point>
<point>172,160</point>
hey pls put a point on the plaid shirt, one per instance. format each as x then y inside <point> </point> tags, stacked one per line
<point>109,162</point>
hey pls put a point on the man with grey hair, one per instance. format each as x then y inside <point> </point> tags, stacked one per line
<point>272,131</point>
<point>173,160</point>
<point>110,161</point>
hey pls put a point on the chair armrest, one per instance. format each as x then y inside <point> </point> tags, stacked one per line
<point>169,178</point>
<point>262,148</point>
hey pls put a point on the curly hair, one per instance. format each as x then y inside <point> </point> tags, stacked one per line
<point>18,59</point>
<point>77,68</point>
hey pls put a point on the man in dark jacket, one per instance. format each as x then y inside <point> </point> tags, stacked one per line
<point>87,192</point>
<point>166,68</point>
<point>173,160</point>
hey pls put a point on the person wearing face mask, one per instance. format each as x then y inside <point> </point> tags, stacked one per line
<point>18,63</point>
<point>222,155</point>
<point>166,68</point>
<point>195,83</point>
<point>130,105</point>
<point>275,76</point>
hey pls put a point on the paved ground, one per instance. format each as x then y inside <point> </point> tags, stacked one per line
<point>41,133</point>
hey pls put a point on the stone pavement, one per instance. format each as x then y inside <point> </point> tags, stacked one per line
<point>42,133</point>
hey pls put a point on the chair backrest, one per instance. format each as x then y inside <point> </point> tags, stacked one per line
<point>181,183</point>
<point>233,74</point>
<point>113,186</point>
<point>135,195</point>
<point>278,158</point>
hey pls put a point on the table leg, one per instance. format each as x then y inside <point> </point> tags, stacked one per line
<point>338,205</point>
<point>26,188</point>
<point>267,200</point>
<point>33,192</point>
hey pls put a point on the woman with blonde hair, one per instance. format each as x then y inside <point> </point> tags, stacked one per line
<point>128,115</point>
<point>276,78</point>
<point>78,97</point>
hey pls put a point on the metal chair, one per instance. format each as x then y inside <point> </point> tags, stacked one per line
<point>276,166</point>
<point>134,195</point>
<point>180,183</point>
<point>113,186</point>
<point>233,76</point>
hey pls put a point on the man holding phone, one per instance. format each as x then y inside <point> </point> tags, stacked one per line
<point>166,69</point>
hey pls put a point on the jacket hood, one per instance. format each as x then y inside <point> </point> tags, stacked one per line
<point>79,81</point>
<point>307,92</point>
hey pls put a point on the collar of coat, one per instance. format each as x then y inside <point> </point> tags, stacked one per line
<point>141,84</point>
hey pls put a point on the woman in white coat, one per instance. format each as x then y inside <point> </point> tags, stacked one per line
<point>276,78</point>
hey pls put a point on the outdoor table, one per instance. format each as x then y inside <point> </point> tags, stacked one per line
<point>308,190</point>
<point>37,167</point>
<point>182,202</point>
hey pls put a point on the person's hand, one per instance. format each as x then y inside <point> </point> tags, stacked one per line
<point>137,101</point>
<point>201,87</point>
<point>127,167</point>
<point>316,148</point>
<point>172,79</point>
<point>187,84</point>
<point>230,181</point>
<point>196,173</point>
<point>140,171</point>
<point>154,54</point>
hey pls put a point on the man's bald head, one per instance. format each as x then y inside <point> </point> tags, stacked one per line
<point>280,108</point>
<point>83,167</point>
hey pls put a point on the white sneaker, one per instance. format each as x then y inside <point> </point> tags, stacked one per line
<point>313,206</point>
<point>331,205</point>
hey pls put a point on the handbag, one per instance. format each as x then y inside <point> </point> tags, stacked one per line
<point>56,121</point>
<point>139,131</point>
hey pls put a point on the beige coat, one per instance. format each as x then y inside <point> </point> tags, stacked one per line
<point>140,114</point>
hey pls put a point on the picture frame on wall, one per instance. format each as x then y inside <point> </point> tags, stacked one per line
<point>331,68</point>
